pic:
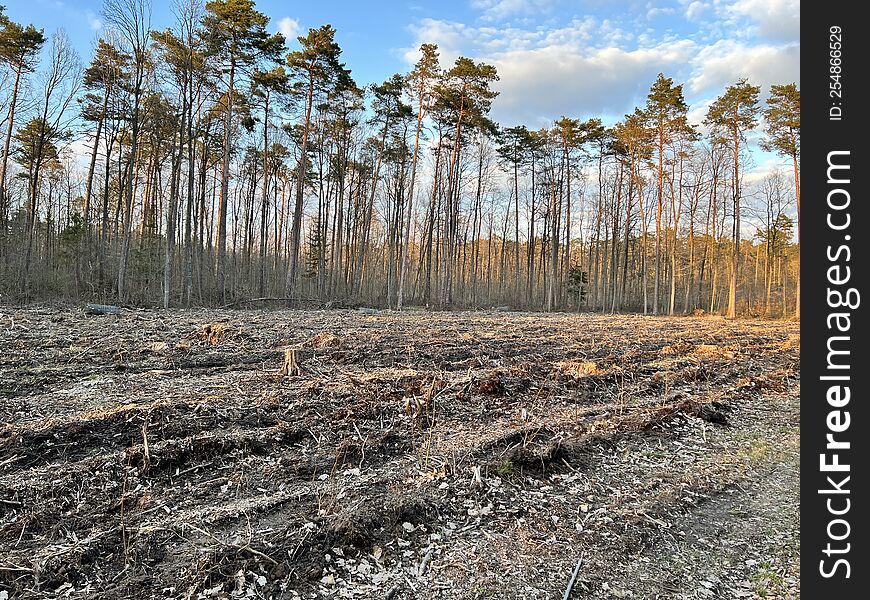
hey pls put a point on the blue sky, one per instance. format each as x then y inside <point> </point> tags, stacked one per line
<point>579,58</point>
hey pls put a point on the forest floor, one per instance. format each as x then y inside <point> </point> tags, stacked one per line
<point>163,454</point>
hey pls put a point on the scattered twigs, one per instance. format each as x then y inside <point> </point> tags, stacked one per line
<point>476,479</point>
<point>120,573</point>
<point>657,522</point>
<point>242,547</point>
<point>15,568</point>
<point>194,468</point>
<point>11,459</point>
<point>125,536</point>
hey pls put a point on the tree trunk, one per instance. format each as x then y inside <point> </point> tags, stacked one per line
<point>174,185</point>
<point>261,285</point>
<point>4,204</point>
<point>658,226</point>
<point>296,230</point>
<point>400,302</point>
<point>735,251</point>
<point>129,191</point>
<point>93,162</point>
<point>225,190</point>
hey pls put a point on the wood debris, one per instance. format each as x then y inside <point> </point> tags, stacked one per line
<point>414,454</point>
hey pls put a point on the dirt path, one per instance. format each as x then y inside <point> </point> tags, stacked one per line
<point>416,455</point>
<point>741,540</point>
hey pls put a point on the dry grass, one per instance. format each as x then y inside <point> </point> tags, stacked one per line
<point>578,368</point>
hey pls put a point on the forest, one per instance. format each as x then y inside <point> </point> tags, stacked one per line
<point>214,163</point>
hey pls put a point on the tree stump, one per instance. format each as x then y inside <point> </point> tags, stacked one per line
<point>291,363</point>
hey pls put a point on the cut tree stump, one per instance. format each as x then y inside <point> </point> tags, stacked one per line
<point>291,363</point>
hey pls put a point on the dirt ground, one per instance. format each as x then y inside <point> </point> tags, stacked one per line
<point>171,454</point>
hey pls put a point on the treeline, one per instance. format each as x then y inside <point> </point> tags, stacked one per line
<point>207,164</point>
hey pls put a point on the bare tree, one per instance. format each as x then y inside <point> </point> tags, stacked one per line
<point>59,85</point>
<point>132,20</point>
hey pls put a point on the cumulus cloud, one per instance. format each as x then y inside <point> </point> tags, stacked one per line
<point>289,28</point>
<point>579,69</point>
<point>775,19</point>
<point>547,82</point>
<point>657,11</point>
<point>455,39</point>
<point>599,66</point>
<point>695,9</point>
<point>698,112</point>
<point>452,39</point>
<point>722,63</point>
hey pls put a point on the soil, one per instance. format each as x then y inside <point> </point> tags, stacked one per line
<point>174,454</point>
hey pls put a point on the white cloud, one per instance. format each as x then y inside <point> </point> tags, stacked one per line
<point>581,69</point>
<point>768,166</point>
<point>94,22</point>
<point>722,63</point>
<point>776,19</point>
<point>289,28</point>
<point>655,11</point>
<point>452,39</point>
<point>695,9</point>
<point>455,39</point>
<point>698,112</point>
<point>596,66</point>
<point>544,83</point>
<point>499,10</point>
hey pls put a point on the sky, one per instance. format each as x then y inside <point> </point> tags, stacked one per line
<point>580,58</point>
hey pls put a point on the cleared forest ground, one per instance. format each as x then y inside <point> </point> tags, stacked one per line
<point>162,454</point>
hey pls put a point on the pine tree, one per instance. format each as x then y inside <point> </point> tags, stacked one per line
<point>237,35</point>
<point>265,84</point>
<point>783,118</point>
<point>420,82</point>
<point>19,49</point>
<point>513,153</point>
<point>731,115</point>
<point>464,97</point>
<point>132,20</point>
<point>100,79</point>
<point>665,113</point>
<point>316,69</point>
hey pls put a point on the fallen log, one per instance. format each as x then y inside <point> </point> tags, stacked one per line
<point>102,309</point>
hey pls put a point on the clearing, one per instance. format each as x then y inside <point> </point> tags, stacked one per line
<point>164,454</point>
